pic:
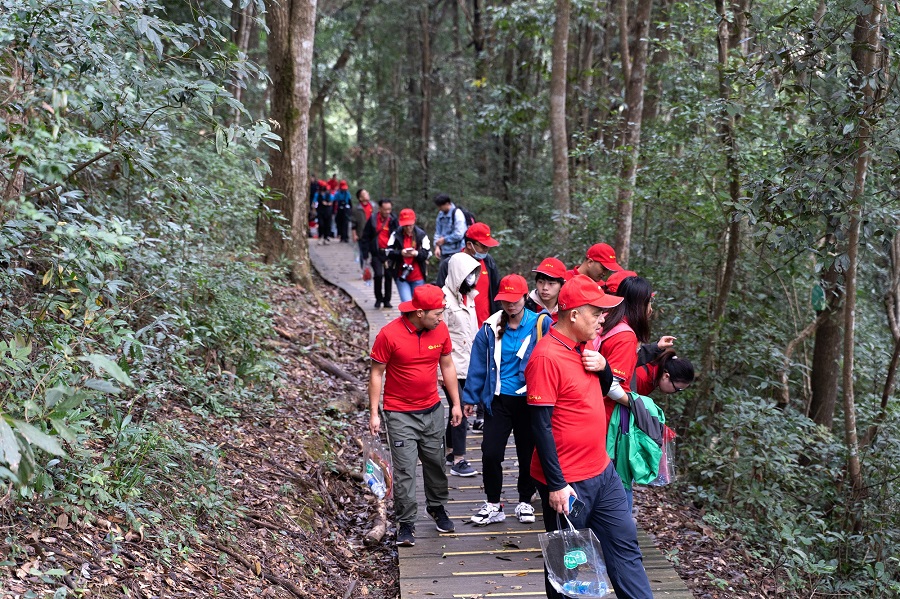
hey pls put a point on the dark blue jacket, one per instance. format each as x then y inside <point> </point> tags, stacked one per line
<point>484,363</point>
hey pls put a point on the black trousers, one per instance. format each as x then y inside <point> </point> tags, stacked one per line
<point>456,435</point>
<point>343,222</point>
<point>325,214</point>
<point>381,276</point>
<point>509,413</point>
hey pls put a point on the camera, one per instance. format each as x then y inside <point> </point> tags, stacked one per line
<point>405,269</point>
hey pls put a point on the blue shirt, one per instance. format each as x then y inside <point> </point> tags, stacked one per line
<point>451,226</point>
<point>510,377</point>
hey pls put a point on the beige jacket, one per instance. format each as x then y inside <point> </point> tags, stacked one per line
<point>460,317</point>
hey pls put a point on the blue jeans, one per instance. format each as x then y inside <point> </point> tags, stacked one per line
<point>606,513</point>
<point>405,288</point>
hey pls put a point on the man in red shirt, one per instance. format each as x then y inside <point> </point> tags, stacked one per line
<point>405,358</point>
<point>565,397</point>
<point>376,235</point>
<point>599,262</point>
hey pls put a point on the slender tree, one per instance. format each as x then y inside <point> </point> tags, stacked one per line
<point>558,136</point>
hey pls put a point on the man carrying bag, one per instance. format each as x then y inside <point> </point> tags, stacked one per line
<point>565,397</point>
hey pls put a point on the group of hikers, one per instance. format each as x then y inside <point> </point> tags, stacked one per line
<point>329,208</point>
<point>549,364</point>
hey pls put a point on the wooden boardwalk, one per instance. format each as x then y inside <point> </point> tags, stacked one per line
<point>498,560</point>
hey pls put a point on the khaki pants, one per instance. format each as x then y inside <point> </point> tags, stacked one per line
<point>417,436</point>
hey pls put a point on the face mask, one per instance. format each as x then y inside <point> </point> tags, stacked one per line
<point>478,256</point>
<point>470,280</point>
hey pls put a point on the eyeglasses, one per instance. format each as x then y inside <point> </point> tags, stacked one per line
<point>676,387</point>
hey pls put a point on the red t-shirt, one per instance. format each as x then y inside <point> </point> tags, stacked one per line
<point>556,377</point>
<point>483,299</point>
<point>574,271</point>
<point>367,209</point>
<point>645,378</point>
<point>384,230</point>
<point>411,357</point>
<point>620,351</point>
<point>416,274</point>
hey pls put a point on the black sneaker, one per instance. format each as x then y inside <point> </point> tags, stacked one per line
<point>478,426</point>
<point>377,304</point>
<point>387,305</point>
<point>441,521</point>
<point>449,460</point>
<point>406,535</point>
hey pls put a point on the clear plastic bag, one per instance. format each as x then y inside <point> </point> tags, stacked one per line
<point>377,471</point>
<point>574,561</point>
<point>667,460</point>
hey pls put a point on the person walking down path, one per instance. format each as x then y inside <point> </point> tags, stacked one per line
<point>408,251</point>
<point>569,423</point>
<point>342,211</point>
<point>449,227</point>
<point>495,381</point>
<point>359,217</point>
<point>324,213</point>
<point>405,356</point>
<point>459,292</point>
<point>376,235</point>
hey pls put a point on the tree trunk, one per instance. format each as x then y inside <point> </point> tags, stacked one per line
<point>14,180</point>
<point>558,118</point>
<point>866,47</point>
<point>658,61</point>
<point>827,352</point>
<point>292,27</point>
<point>318,102</point>
<point>425,100</point>
<point>630,139</point>
<point>724,39</point>
<point>242,21</point>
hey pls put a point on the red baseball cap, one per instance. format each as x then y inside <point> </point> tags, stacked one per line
<point>343,184</point>
<point>512,288</point>
<point>552,267</point>
<point>425,297</point>
<point>615,279</point>
<point>582,290</point>
<point>605,255</point>
<point>481,233</point>
<point>407,217</point>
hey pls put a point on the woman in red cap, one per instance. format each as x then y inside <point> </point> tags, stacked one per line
<point>408,250</point>
<point>495,379</point>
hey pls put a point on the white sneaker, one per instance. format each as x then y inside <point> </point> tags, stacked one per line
<point>525,513</point>
<point>488,514</point>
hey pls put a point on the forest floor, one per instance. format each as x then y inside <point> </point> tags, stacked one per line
<point>295,513</point>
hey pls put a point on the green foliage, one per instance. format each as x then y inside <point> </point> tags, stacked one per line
<point>126,274</point>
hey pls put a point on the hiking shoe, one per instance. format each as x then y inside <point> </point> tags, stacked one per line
<point>478,426</point>
<point>525,513</point>
<point>449,459</point>
<point>441,521</point>
<point>377,304</point>
<point>462,468</point>
<point>406,535</point>
<point>387,305</point>
<point>488,514</point>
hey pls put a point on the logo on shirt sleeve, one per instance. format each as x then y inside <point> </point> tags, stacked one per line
<point>534,397</point>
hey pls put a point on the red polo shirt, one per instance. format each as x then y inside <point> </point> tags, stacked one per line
<point>645,378</point>
<point>556,377</point>
<point>416,274</point>
<point>367,209</point>
<point>384,230</point>
<point>411,358</point>
<point>483,299</point>
<point>620,352</point>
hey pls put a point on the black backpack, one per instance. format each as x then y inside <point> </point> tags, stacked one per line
<point>469,217</point>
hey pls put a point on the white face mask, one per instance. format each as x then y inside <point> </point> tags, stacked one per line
<point>470,280</point>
